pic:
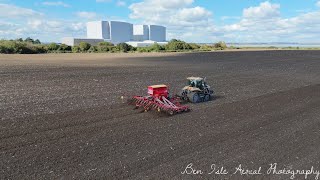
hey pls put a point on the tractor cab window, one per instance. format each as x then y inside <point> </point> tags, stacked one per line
<point>200,84</point>
<point>192,83</point>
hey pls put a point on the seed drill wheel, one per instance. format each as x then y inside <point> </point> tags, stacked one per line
<point>131,101</point>
<point>194,97</point>
<point>171,112</point>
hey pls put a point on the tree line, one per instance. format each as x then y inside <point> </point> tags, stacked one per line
<point>31,46</point>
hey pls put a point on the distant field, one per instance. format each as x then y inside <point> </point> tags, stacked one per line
<point>61,116</point>
<point>275,48</point>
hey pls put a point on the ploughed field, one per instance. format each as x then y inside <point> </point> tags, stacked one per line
<point>61,116</point>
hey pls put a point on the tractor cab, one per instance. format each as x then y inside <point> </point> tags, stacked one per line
<point>196,82</point>
<point>196,91</point>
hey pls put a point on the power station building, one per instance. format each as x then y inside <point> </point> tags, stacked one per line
<point>121,32</point>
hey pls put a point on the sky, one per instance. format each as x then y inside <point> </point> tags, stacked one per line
<point>201,21</point>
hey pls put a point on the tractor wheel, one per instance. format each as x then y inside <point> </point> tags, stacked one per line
<point>194,97</point>
<point>183,95</point>
<point>207,97</point>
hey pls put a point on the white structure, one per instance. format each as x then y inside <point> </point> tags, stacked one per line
<point>157,33</point>
<point>98,30</point>
<point>114,31</point>
<point>149,32</point>
<point>70,41</point>
<point>121,32</point>
<point>140,32</point>
<point>144,43</point>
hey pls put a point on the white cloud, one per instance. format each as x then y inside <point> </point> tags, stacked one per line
<point>34,23</point>
<point>264,10</point>
<point>12,11</point>
<point>55,3</point>
<point>318,4</point>
<point>260,23</point>
<point>86,15</point>
<point>121,3</point>
<point>184,20</point>
<point>45,30</point>
<point>6,27</point>
<point>179,16</point>
<point>118,2</point>
<point>16,22</point>
<point>265,24</point>
<point>156,7</point>
<point>193,14</point>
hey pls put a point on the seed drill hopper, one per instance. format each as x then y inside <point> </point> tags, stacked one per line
<point>158,99</point>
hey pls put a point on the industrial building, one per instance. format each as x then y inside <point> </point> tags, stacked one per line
<point>140,32</point>
<point>98,30</point>
<point>121,32</point>
<point>157,33</point>
<point>144,43</point>
<point>70,41</point>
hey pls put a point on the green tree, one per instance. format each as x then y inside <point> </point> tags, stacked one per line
<point>84,46</point>
<point>104,46</point>
<point>124,47</point>
<point>186,46</point>
<point>53,47</point>
<point>29,40</point>
<point>206,47</point>
<point>3,49</point>
<point>92,49</point>
<point>156,48</point>
<point>106,43</point>
<point>175,45</point>
<point>220,45</point>
<point>194,46</point>
<point>37,41</point>
<point>75,49</point>
<point>20,47</point>
<point>39,48</point>
<point>143,49</point>
<point>64,48</point>
<point>14,47</point>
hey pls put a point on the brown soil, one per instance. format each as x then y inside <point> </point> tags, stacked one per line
<point>62,116</point>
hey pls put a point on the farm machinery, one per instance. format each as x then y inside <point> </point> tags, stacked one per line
<point>158,99</point>
<point>196,91</point>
